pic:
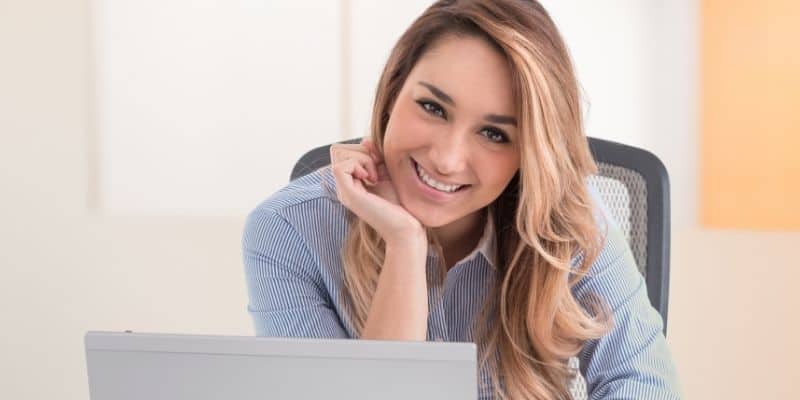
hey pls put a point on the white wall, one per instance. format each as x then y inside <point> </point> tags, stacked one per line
<point>201,106</point>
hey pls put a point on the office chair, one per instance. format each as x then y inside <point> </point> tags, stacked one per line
<point>634,185</point>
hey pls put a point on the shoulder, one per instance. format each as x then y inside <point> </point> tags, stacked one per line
<point>614,270</point>
<point>304,192</point>
<point>305,208</point>
<point>614,242</point>
<point>611,239</point>
<point>306,196</point>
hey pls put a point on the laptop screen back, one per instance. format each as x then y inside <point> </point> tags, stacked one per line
<point>125,366</point>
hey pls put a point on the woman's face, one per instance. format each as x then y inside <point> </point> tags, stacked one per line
<point>451,143</point>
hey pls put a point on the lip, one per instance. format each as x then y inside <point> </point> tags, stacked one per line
<point>430,192</point>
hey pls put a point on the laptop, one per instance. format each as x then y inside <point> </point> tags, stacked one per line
<point>128,365</point>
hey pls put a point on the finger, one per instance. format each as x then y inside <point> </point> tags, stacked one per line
<point>340,155</point>
<point>367,169</point>
<point>373,151</point>
<point>341,151</point>
<point>350,190</point>
<point>382,172</point>
<point>345,147</point>
<point>350,173</point>
<point>346,184</point>
<point>361,173</point>
<point>368,145</point>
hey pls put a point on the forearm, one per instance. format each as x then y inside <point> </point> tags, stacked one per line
<point>399,308</point>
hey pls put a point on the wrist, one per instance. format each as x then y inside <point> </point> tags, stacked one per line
<point>411,242</point>
<point>409,259</point>
<point>413,235</point>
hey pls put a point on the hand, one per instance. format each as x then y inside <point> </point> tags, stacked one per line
<point>363,186</point>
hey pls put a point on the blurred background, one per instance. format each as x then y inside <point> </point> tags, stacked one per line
<point>136,136</point>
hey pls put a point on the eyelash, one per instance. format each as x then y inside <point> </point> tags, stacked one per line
<point>493,131</point>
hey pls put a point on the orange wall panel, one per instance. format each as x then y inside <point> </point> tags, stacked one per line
<point>750,114</point>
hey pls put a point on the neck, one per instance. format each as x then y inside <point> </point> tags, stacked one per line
<point>460,237</point>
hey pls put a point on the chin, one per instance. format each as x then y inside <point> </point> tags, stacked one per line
<point>430,218</point>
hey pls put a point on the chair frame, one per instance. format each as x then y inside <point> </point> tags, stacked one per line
<point>656,179</point>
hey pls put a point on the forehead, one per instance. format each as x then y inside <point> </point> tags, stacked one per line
<point>474,73</point>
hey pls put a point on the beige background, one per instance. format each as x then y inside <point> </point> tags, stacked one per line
<point>67,269</point>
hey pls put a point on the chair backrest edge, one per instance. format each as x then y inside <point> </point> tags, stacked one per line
<point>658,213</point>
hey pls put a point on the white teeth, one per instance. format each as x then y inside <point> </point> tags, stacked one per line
<point>443,187</point>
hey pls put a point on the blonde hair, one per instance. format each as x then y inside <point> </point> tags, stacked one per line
<point>544,218</point>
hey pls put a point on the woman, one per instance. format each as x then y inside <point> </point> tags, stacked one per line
<point>466,216</point>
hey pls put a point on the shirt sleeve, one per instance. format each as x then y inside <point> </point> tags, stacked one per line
<point>632,361</point>
<point>287,297</point>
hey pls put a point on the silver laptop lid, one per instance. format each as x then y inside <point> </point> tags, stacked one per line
<point>124,366</point>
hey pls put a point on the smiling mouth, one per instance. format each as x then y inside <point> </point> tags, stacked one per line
<point>433,184</point>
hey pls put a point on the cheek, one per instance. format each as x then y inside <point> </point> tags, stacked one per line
<point>406,130</point>
<point>497,178</point>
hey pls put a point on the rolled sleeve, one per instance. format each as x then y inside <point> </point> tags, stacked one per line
<point>632,361</point>
<point>287,298</point>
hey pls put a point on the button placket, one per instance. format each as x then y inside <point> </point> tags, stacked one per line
<point>437,328</point>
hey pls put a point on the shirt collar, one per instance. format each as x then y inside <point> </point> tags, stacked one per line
<point>487,245</point>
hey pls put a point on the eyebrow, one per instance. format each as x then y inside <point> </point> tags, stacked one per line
<point>498,119</point>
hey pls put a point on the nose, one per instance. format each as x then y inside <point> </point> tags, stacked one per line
<point>449,153</point>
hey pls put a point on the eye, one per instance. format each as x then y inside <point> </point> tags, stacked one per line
<point>431,108</point>
<point>495,135</point>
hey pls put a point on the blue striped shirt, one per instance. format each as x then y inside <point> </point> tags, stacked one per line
<point>291,250</point>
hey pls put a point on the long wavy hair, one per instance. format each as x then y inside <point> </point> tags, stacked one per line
<point>546,232</point>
